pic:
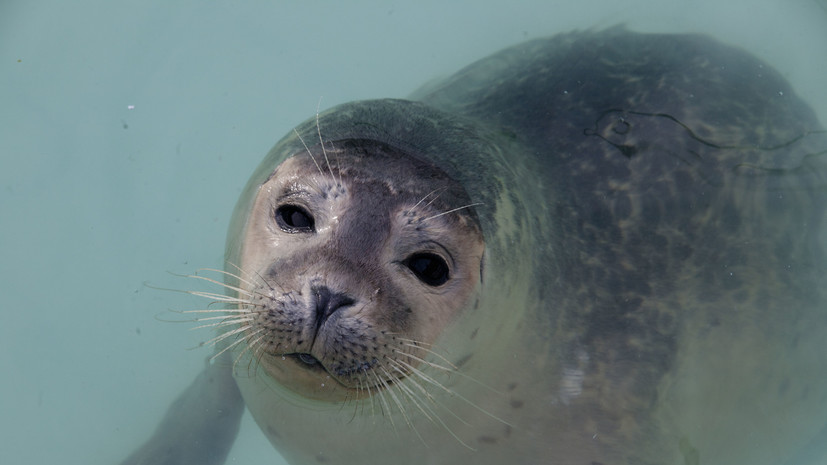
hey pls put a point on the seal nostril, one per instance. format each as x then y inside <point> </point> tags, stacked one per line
<point>328,302</point>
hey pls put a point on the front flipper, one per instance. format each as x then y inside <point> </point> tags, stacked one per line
<point>200,427</point>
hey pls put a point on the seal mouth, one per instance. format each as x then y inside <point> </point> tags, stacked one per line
<point>310,363</point>
<point>306,360</point>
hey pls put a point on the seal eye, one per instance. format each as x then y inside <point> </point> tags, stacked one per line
<point>294,219</point>
<point>430,268</point>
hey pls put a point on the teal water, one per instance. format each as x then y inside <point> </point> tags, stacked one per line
<point>128,129</point>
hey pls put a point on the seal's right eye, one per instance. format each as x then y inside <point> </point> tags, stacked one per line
<point>294,219</point>
<point>430,268</point>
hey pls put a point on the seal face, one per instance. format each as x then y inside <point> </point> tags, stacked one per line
<point>359,265</point>
<point>598,248</point>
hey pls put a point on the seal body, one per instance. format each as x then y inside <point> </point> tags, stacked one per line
<point>598,248</point>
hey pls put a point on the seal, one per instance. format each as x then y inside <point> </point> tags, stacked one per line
<point>597,248</point>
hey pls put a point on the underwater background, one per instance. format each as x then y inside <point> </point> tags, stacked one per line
<point>128,129</point>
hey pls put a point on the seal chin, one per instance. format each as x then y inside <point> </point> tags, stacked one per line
<point>309,362</point>
<point>304,375</point>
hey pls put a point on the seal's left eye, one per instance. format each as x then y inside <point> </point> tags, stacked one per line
<point>294,219</point>
<point>430,268</point>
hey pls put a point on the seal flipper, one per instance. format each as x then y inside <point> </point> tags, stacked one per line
<point>201,424</point>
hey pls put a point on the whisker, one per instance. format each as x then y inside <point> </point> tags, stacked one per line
<point>428,195</point>
<point>396,365</point>
<point>203,278</point>
<point>269,284</point>
<point>215,270</point>
<point>438,418</point>
<point>370,396</point>
<point>430,380</point>
<point>427,362</point>
<point>242,316</point>
<point>250,351</point>
<point>218,297</point>
<point>410,395</point>
<point>352,400</point>
<point>436,383</point>
<point>213,310</point>
<point>235,343</point>
<point>435,197</point>
<point>453,210</point>
<point>321,142</point>
<point>435,354</point>
<point>414,341</point>
<point>308,152</point>
<point>249,276</point>
<point>394,397</point>
<point>225,349</point>
<point>238,358</point>
<point>382,399</point>
<point>168,289</point>
<point>453,369</point>
<point>221,324</point>
<point>187,320</point>
<point>223,336</point>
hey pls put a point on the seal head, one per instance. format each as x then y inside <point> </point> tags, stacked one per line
<point>362,254</point>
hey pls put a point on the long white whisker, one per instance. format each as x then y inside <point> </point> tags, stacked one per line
<point>308,152</point>
<point>239,290</point>
<point>439,419</point>
<point>452,211</point>
<point>241,272</point>
<point>426,362</point>
<point>394,397</point>
<point>382,399</point>
<point>396,365</point>
<point>428,195</point>
<point>241,317</point>
<point>249,347</point>
<point>408,391</point>
<point>218,297</point>
<point>235,343</point>
<point>436,383</point>
<point>411,396</point>
<point>225,322</point>
<point>257,351</point>
<point>203,278</point>
<point>223,336</point>
<point>321,141</point>
<point>453,369</point>
<point>434,353</point>
<point>227,273</point>
<point>430,380</point>
<point>219,310</point>
<point>372,405</point>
